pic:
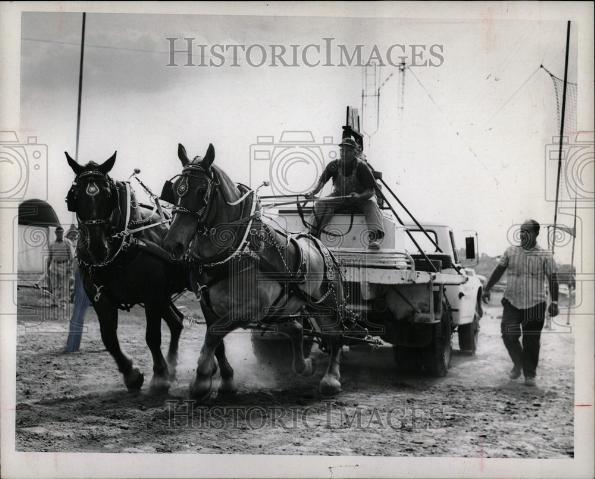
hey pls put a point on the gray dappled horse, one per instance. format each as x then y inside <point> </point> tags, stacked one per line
<point>249,273</point>
<point>120,269</point>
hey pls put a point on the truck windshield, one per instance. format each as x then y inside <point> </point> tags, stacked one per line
<point>422,240</point>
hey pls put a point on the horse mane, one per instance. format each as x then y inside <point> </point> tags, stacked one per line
<point>140,212</point>
<point>227,187</point>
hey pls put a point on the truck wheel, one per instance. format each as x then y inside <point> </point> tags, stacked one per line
<point>407,359</point>
<point>438,353</point>
<point>274,349</point>
<point>468,335</point>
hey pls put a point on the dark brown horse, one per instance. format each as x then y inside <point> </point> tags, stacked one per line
<point>248,272</point>
<point>121,267</point>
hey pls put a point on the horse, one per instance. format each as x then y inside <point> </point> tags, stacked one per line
<point>122,263</point>
<point>249,273</point>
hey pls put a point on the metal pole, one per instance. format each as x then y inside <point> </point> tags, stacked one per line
<point>421,228</point>
<point>561,134</point>
<point>78,113</point>
<point>362,125</point>
<point>572,271</point>
<point>419,248</point>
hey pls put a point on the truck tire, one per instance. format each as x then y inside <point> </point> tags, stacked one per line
<point>468,335</point>
<point>438,354</point>
<point>274,350</point>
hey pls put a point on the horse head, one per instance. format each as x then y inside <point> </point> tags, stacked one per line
<point>93,196</point>
<point>191,192</point>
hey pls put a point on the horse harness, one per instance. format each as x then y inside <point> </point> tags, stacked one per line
<point>126,234</point>
<point>257,235</point>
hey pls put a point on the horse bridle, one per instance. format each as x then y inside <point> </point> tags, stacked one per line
<point>73,194</point>
<point>190,171</point>
<point>114,198</point>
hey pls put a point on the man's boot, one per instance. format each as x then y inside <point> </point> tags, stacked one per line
<point>515,373</point>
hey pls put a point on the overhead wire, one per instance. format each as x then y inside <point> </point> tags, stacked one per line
<point>511,97</point>
<point>447,119</point>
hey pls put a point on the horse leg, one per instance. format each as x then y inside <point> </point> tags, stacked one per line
<point>302,366</point>
<point>108,324</point>
<point>330,383</point>
<point>175,321</point>
<point>206,368</point>
<point>160,381</point>
<point>227,383</point>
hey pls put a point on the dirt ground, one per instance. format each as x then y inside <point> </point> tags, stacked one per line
<point>78,402</point>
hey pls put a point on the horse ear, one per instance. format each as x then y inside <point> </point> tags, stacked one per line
<point>182,155</point>
<point>106,167</point>
<point>73,164</point>
<point>207,161</point>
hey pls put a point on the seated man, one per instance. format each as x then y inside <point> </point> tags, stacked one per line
<point>353,189</point>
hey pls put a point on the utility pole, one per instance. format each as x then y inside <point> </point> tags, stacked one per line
<point>561,135</point>
<point>78,113</point>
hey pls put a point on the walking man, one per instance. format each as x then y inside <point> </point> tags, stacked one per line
<point>59,268</point>
<point>353,188</point>
<point>524,301</point>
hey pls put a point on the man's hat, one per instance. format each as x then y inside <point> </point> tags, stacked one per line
<point>349,142</point>
<point>59,228</point>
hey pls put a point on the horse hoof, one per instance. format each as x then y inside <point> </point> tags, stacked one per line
<point>329,386</point>
<point>134,380</point>
<point>308,368</point>
<point>159,385</point>
<point>201,389</point>
<point>227,388</point>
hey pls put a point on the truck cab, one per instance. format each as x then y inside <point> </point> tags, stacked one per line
<point>437,242</point>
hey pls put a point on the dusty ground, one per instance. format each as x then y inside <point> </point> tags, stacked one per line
<point>78,402</point>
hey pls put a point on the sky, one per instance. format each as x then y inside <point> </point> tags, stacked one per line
<point>463,143</point>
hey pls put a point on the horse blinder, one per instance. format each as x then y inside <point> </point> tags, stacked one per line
<point>73,194</point>
<point>71,198</point>
<point>167,193</point>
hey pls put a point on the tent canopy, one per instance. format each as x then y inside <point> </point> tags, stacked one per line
<point>37,213</point>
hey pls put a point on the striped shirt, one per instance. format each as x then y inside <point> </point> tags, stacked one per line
<point>60,251</point>
<point>527,271</point>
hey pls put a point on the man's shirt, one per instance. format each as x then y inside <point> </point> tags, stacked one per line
<point>60,251</point>
<point>353,179</point>
<point>527,271</point>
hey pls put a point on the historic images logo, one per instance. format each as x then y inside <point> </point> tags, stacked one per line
<point>184,51</point>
